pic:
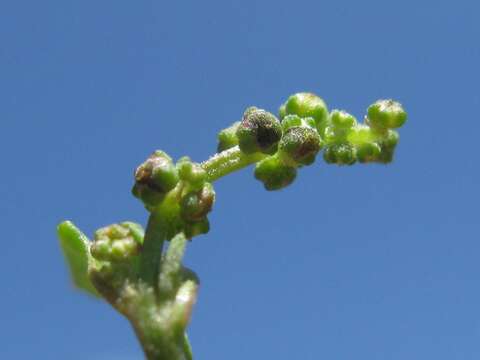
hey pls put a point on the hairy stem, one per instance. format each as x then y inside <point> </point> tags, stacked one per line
<point>168,279</point>
<point>160,319</point>
<point>228,161</point>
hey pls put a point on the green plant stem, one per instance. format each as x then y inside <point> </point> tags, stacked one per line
<point>160,320</point>
<point>228,161</point>
<point>155,235</point>
<point>156,334</point>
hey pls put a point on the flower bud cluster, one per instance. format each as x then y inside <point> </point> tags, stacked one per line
<point>303,116</point>
<point>154,178</point>
<point>305,127</point>
<point>180,189</point>
<point>374,141</point>
<point>306,105</point>
<point>196,199</point>
<point>117,242</point>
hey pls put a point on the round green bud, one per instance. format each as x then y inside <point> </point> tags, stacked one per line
<point>307,105</point>
<point>343,120</point>
<point>195,205</point>
<point>116,232</point>
<point>390,139</point>
<point>361,134</point>
<point>184,167</point>
<point>329,155</point>
<point>100,249</point>
<point>124,249</point>
<point>259,131</point>
<point>300,145</point>
<point>386,114</point>
<point>341,154</point>
<point>387,146</point>
<point>164,176</point>
<point>157,172</point>
<point>191,173</point>
<point>290,121</point>
<point>112,232</point>
<point>135,230</point>
<point>329,135</point>
<point>368,152</point>
<point>227,138</point>
<point>154,178</point>
<point>274,173</point>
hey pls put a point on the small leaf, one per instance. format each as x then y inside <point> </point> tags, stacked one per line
<point>75,248</point>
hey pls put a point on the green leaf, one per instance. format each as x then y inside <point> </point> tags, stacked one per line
<point>75,248</point>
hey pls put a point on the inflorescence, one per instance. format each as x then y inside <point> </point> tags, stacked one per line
<point>282,145</point>
<point>128,266</point>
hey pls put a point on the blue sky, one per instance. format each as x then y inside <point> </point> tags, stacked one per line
<point>365,262</point>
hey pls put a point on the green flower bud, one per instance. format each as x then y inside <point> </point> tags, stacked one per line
<point>387,146</point>
<point>113,232</point>
<point>274,173</point>
<point>197,204</point>
<point>329,135</point>
<point>342,124</point>
<point>341,154</point>
<point>329,155</point>
<point>154,178</point>
<point>307,105</point>
<point>259,131</point>
<point>115,243</point>
<point>227,138</point>
<point>368,152</point>
<point>123,249</point>
<point>300,145</point>
<point>390,139</point>
<point>191,172</point>
<point>136,231</point>
<point>386,114</point>
<point>290,121</point>
<point>361,134</point>
<point>100,249</point>
<point>342,120</point>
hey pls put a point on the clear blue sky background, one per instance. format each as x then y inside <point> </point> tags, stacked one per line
<point>365,262</point>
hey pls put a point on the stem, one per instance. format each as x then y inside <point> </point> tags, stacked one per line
<point>160,319</point>
<point>228,161</point>
<point>152,248</point>
<point>158,341</point>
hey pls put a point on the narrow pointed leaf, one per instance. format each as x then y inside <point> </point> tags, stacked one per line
<point>75,248</point>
